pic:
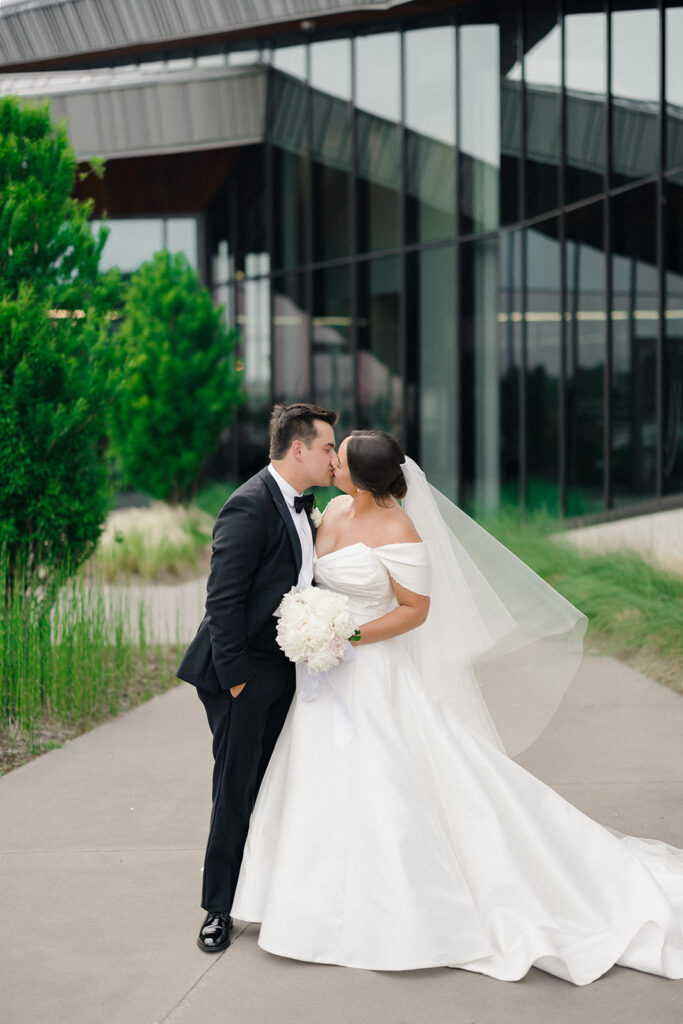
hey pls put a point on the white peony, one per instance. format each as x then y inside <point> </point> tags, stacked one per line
<point>314,626</point>
<point>316,517</point>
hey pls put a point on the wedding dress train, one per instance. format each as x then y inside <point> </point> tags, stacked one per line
<point>419,843</point>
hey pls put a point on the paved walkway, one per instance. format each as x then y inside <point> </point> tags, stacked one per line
<point>101,847</point>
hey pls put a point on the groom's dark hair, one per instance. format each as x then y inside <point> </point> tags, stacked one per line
<point>295,422</point>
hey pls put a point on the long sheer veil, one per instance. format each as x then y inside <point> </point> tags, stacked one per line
<point>499,645</point>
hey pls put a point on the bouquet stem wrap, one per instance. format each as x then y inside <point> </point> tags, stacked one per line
<point>311,683</point>
<point>314,630</point>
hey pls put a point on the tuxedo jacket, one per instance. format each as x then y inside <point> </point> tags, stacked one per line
<point>256,558</point>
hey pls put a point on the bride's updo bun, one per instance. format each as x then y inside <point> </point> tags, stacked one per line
<point>374,460</point>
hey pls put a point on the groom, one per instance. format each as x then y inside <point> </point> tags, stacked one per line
<point>262,547</point>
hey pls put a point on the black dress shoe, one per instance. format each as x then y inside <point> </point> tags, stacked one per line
<point>214,935</point>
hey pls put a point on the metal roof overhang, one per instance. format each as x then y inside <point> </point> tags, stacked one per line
<point>42,33</point>
<point>115,115</point>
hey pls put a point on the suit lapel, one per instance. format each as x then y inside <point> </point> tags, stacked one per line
<point>281,506</point>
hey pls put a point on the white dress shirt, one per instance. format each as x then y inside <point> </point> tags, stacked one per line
<point>303,528</point>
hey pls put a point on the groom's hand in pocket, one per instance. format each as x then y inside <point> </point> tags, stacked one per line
<point>236,690</point>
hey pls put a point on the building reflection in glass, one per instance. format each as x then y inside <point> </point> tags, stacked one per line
<point>378,112</point>
<point>511,367</point>
<point>672,439</point>
<point>479,391</point>
<point>331,157</point>
<point>432,274</point>
<point>635,91</point>
<point>430,133</point>
<point>543,79</point>
<point>674,86</point>
<point>479,115</point>
<point>585,68</point>
<point>379,373</point>
<point>543,321</point>
<point>586,322</point>
<point>291,356</point>
<point>635,323</point>
<point>332,352</point>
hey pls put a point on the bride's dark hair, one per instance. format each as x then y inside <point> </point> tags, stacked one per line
<point>375,463</point>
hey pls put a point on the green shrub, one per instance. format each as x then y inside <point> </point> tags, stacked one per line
<point>56,379</point>
<point>58,364</point>
<point>182,386</point>
<point>46,235</point>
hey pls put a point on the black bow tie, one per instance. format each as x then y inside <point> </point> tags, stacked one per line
<point>307,502</point>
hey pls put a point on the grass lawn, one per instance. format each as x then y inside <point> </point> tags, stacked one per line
<point>635,611</point>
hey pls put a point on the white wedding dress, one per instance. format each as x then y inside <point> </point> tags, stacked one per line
<point>420,844</point>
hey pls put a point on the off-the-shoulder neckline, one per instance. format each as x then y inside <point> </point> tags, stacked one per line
<point>360,544</point>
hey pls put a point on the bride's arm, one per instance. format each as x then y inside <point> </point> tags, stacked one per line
<point>411,612</point>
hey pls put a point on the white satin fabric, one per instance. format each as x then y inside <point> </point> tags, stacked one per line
<point>421,844</point>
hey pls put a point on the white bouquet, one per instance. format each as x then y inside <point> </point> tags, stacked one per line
<point>316,627</point>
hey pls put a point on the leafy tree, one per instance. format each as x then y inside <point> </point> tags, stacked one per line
<point>56,379</point>
<point>182,385</point>
<point>45,237</point>
<point>58,363</point>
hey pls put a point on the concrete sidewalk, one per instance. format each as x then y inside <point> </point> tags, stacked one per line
<point>101,851</point>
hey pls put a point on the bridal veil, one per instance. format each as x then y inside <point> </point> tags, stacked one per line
<point>499,645</point>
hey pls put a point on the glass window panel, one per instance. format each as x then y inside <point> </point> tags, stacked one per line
<point>331,167</point>
<point>379,370</point>
<point>430,133</point>
<point>291,363</point>
<point>253,321</point>
<point>635,92</point>
<point>222,274</point>
<point>332,346</point>
<point>672,439</point>
<point>290,191</point>
<point>378,99</point>
<point>635,324</point>
<point>674,86</point>
<point>243,56</point>
<point>586,321</point>
<point>246,201</point>
<point>378,67</point>
<point>211,60</point>
<point>479,380</point>
<point>585,48</point>
<point>131,242</point>
<point>510,113</point>
<point>543,79</point>
<point>543,365</point>
<point>510,365</point>
<point>479,127</point>
<point>288,133</point>
<point>181,236</point>
<point>331,67</point>
<point>433,321</point>
<point>290,59</point>
<point>179,63</point>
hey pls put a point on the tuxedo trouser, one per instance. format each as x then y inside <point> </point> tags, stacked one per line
<point>245,730</point>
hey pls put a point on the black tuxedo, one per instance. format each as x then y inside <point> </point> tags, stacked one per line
<point>256,559</point>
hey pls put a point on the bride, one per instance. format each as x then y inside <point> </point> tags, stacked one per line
<point>413,840</point>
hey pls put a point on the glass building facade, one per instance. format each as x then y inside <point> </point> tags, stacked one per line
<point>465,227</point>
<point>469,232</point>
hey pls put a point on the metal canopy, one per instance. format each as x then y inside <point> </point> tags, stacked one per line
<point>115,115</point>
<point>34,31</point>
